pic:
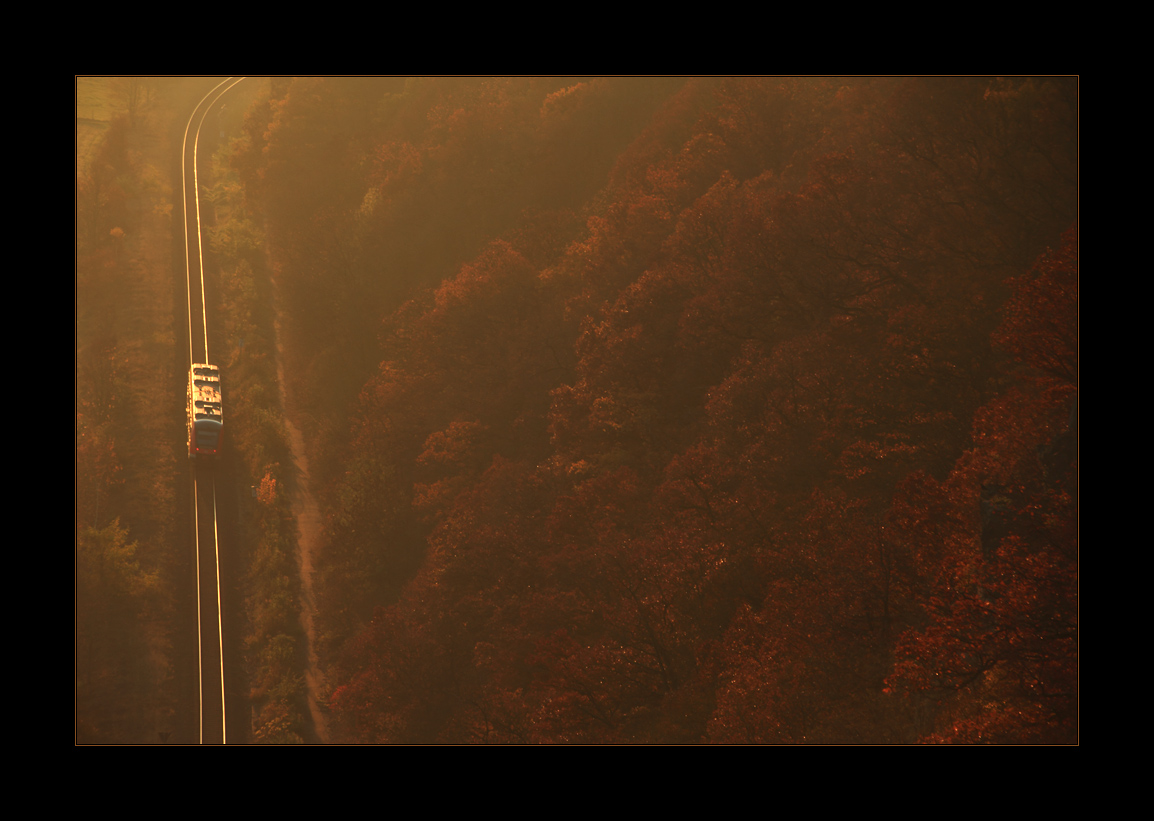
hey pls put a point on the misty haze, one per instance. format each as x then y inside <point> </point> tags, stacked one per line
<point>577,410</point>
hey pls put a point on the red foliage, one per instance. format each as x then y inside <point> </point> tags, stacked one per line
<point>999,651</point>
<point>1041,319</point>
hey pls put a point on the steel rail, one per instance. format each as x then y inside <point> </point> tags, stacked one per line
<point>202,109</point>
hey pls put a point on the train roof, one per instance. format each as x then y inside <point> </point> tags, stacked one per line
<point>206,393</point>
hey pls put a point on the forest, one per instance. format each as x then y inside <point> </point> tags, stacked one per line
<point>684,410</point>
<point>125,489</point>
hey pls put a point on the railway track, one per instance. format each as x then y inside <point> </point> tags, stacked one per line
<point>211,655</point>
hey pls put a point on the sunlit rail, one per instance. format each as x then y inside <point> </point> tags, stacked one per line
<point>198,352</point>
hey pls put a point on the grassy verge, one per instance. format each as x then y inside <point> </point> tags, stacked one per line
<point>273,642</point>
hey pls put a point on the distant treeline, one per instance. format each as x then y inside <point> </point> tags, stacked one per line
<point>685,410</point>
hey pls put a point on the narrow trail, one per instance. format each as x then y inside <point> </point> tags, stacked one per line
<point>307,516</point>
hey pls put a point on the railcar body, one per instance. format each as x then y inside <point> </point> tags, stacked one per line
<point>205,412</point>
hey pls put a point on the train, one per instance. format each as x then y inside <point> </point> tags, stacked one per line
<point>205,412</point>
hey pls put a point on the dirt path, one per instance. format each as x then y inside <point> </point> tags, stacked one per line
<point>307,516</point>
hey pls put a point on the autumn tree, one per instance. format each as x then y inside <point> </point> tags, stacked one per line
<point>694,458</point>
<point>998,655</point>
<point>119,599</point>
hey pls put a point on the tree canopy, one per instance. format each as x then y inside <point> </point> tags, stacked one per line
<point>729,410</point>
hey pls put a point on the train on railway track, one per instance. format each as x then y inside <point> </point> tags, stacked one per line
<point>205,412</point>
